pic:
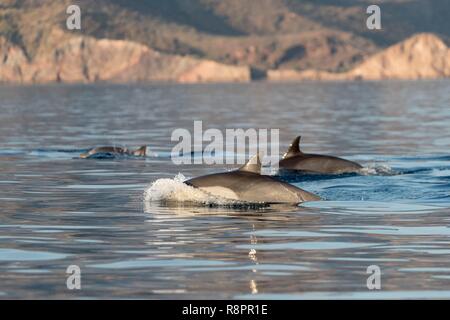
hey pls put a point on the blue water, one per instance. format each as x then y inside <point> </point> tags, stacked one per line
<point>58,210</point>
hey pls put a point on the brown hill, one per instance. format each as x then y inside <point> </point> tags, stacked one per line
<point>316,39</point>
<point>423,56</point>
<point>262,34</point>
<point>68,58</point>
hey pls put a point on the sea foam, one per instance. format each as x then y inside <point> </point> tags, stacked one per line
<point>377,169</point>
<point>175,191</point>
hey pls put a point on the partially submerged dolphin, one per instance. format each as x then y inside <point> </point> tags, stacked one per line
<point>295,159</point>
<point>118,151</point>
<point>248,185</point>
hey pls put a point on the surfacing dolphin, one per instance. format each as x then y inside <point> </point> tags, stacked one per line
<point>295,159</point>
<point>248,185</point>
<point>115,151</point>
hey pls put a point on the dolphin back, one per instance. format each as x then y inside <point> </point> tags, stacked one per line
<point>250,187</point>
<point>295,159</point>
<point>115,151</point>
<point>109,150</point>
<point>319,164</point>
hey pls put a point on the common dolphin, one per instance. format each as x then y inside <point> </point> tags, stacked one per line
<point>140,152</point>
<point>248,185</point>
<point>295,159</point>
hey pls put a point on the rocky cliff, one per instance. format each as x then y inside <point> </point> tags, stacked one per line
<point>72,59</point>
<point>422,56</point>
<point>218,40</point>
<point>68,58</point>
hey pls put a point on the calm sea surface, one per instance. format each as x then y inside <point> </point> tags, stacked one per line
<point>57,210</point>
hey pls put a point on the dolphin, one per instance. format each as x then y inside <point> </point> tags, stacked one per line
<point>248,185</point>
<point>140,152</point>
<point>295,159</point>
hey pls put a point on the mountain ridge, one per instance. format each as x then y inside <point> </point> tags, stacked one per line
<point>289,36</point>
<point>422,56</point>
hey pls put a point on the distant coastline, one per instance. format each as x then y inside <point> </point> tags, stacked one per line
<point>84,59</point>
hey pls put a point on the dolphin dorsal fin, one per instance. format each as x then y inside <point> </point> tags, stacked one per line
<point>142,150</point>
<point>294,148</point>
<point>252,165</point>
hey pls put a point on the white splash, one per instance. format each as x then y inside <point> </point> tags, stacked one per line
<point>175,191</point>
<point>377,169</point>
